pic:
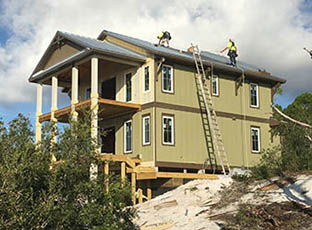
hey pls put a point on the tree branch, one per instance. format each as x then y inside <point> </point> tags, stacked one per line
<point>291,119</point>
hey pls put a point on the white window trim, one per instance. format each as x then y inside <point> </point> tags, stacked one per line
<point>163,130</point>
<point>217,85</point>
<point>125,136</point>
<point>125,84</point>
<point>162,80</point>
<point>149,79</point>
<point>259,139</point>
<point>257,89</point>
<point>143,123</point>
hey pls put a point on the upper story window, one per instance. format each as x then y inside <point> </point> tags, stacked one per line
<point>215,85</point>
<point>146,130</point>
<point>167,79</point>
<point>128,136</point>
<point>88,93</point>
<point>146,79</point>
<point>128,87</point>
<point>168,130</point>
<point>255,140</point>
<point>254,95</point>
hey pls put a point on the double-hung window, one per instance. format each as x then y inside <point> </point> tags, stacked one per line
<point>128,136</point>
<point>168,130</point>
<point>254,95</point>
<point>215,85</point>
<point>255,140</point>
<point>128,87</point>
<point>167,79</point>
<point>146,130</point>
<point>146,79</point>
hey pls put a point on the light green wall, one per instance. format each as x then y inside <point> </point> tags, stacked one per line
<point>190,142</point>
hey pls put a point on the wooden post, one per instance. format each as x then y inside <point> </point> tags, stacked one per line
<point>106,172</point>
<point>54,107</point>
<point>38,113</point>
<point>140,194</point>
<point>94,108</point>
<point>133,187</point>
<point>123,173</point>
<point>149,189</point>
<point>74,92</point>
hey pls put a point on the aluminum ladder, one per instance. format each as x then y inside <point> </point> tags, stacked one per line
<point>211,113</point>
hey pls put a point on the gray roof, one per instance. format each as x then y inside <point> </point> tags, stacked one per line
<point>98,45</point>
<point>89,45</point>
<point>207,57</point>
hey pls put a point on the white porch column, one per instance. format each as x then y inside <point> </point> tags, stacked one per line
<point>94,109</point>
<point>38,113</point>
<point>74,92</point>
<point>54,103</point>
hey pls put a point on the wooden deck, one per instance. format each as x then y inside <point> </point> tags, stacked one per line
<point>143,174</point>
<point>107,108</point>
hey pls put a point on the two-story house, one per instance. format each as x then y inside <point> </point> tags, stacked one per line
<point>148,99</point>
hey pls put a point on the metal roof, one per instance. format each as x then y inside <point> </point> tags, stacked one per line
<point>89,45</point>
<point>104,46</point>
<point>207,57</point>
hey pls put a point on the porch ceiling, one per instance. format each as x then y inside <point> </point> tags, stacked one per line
<point>107,109</point>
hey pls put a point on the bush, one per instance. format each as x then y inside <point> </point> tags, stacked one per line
<point>34,196</point>
<point>271,164</point>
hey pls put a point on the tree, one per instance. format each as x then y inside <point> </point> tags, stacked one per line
<point>35,196</point>
<point>296,144</point>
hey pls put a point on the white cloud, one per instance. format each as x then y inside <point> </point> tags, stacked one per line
<point>269,34</point>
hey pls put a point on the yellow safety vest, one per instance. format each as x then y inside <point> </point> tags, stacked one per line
<point>231,47</point>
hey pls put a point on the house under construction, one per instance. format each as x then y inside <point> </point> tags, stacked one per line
<point>167,112</point>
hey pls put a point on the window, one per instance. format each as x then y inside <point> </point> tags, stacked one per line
<point>215,85</point>
<point>128,137</point>
<point>168,130</point>
<point>128,86</point>
<point>254,97</point>
<point>146,130</point>
<point>88,93</point>
<point>167,79</point>
<point>146,78</point>
<point>255,140</point>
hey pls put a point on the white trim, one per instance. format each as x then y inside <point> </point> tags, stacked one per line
<point>149,79</point>
<point>143,125</point>
<point>163,130</point>
<point>259,144</point>
<point>257,95</point>
<point>217,85</point>
<point>125,84</point>
<point>162,79</point>
<point>125,136</point>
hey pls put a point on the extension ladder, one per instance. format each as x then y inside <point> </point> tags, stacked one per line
<point>211,113</point>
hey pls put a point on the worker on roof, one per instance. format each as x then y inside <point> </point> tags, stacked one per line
<point>232,51</point>
<point>309,51</point>
<point>164,38</point>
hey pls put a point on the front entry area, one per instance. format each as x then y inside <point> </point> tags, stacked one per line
<point>108,141</point>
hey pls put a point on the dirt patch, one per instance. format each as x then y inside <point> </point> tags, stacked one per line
<point>277,216</point>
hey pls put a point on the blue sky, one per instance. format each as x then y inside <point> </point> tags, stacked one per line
<point>269,34</point>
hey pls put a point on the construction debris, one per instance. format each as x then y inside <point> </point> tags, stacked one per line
<point>279,203</point>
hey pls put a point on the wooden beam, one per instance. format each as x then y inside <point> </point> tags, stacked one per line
<point>186,175</point>
<point>140,195</point>
<point>123,173</point>
<point>149,189</point>
<point>133,188</point>
<point>146,175</point>
<point>106,172</point>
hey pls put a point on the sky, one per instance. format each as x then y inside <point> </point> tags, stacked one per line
<point>269,34</point>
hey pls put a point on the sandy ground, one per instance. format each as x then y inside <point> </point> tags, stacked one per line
<point>192,205</point>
